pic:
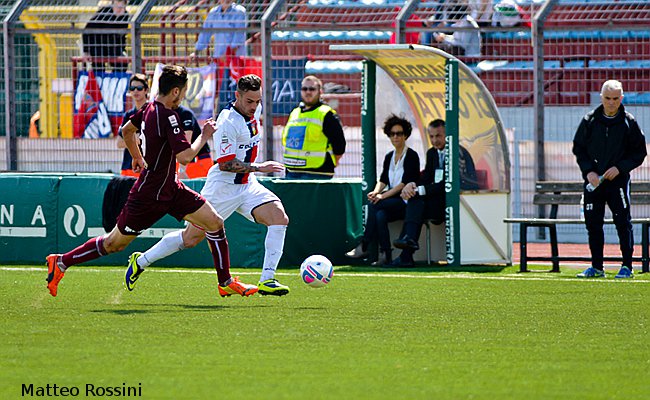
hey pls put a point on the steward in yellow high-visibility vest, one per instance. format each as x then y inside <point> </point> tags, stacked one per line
<point>313,139</point>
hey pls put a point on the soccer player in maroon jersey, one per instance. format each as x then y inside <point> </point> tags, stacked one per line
<point>158,191</point>
<point>231,187</point>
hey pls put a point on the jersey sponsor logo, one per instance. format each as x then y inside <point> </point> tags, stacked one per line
<point>247,146</point>
<point>129,230</point>
<point>177,130</point>
<point>226,148</point>
<point>173,120</point>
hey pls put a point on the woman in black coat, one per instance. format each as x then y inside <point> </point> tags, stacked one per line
<point>401,165</point>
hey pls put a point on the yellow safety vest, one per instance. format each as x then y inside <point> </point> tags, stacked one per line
<point>305,144</point>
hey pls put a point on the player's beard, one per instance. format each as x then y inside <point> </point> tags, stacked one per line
<point>312,102</point>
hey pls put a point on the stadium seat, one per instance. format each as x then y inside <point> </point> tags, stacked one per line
<point>343,36</point>
<point>607,64</point>
<point>319,67</point>
<point>634,98</point>
<point>354,3</point>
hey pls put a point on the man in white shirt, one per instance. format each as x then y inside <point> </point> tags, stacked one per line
<point>462,42</point>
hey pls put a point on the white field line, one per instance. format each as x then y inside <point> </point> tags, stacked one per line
<point>529,276</point>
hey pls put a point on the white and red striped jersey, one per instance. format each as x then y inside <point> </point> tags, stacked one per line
<point>237,137</point>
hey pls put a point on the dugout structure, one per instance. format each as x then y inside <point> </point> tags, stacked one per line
<point>438,85</point>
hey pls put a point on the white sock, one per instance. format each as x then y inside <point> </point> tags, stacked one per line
<point>273,246</point>
<point>168,245</point>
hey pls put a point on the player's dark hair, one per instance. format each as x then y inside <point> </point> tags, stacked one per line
<point>173,76</point>
<point>249,83</point>
<point>437,123</point>
<point>142,78</point>
<point>393,120</point>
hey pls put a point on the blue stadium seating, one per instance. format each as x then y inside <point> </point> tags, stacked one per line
<point>634,98</point>
<point>572,35</point>
<point>319,67</point>
<point>355,3</point>
<point>305,36</point>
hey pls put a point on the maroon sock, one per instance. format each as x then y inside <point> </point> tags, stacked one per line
<point>220,254</point>
<point>93,248</point>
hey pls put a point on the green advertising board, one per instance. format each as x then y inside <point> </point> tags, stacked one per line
<point>28,217</point>
<point>43,214</point>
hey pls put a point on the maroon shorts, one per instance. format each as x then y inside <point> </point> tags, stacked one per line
<point>138,214</point>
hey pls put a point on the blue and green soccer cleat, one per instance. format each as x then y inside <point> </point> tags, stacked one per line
<point>133,272</point>
<point>271,287</point>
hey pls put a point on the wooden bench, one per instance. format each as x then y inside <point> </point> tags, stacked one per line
<point>554,194</point>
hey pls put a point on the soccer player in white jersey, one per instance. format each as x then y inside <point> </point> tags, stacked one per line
<point>231,186</point>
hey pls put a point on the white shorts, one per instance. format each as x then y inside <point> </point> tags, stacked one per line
<point>227,198</point>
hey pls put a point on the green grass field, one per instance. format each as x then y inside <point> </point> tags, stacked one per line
<point>411,334</point>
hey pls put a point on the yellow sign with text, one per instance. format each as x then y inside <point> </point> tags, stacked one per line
<point>421,77</point>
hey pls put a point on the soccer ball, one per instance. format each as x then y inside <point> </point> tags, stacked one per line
<point>316,271</point>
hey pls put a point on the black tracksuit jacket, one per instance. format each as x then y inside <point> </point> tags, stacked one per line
<point>601,143</point>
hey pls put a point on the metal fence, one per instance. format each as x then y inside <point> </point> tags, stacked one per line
<point>544,63</point>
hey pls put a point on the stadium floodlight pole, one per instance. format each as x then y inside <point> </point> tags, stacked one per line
<point>136,35</point>
<point>267,79</point>
<point>452,165</point>
<point>403,16</point>
<point>538,95</point>
<point>10,83</point>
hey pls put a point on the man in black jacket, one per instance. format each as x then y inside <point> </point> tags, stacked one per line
<point>608,145</point>
<point>426,198</point>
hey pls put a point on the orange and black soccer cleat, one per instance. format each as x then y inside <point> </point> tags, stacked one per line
<point>237,287</point>
<point>54,273</point>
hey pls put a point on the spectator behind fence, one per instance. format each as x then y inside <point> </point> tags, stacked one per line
<point>401,165</point>
<point>460,42</point>
<point>608,145</point>
<point>139,92</point>
<point>506,14</point>
<point>426,196</point>
<point>481,11</point>
<point>230,42</point>
<point>313,138</point>
<point>111,44</point>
